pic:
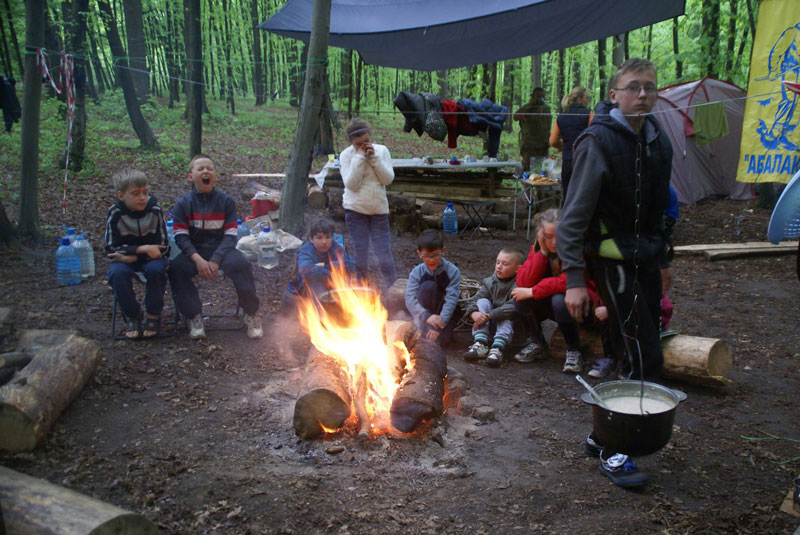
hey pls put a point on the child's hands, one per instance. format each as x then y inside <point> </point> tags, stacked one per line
<point>119,257</point>
<point>540,240</point>
<point>479,319</point>
<point>152,251</point>
<point>435,321</point>
<point>521,294</point>
<point>601,313</point>
<point>206,270</point>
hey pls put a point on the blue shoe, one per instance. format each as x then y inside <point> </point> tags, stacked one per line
<point>622,471</point>
<point>602,368</point>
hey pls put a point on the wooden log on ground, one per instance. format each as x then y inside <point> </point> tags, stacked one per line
<point>36,396</point>
<point>400,331</point>
<point>394,299</point>
<point>252,187</point>
<point>420,395</point>
<point>15,359</point>
<point>727,254</point>
<point>698,360</point>
<point>324,396</point>
<point>698,249</point>
<point>32,505</point>
<point>315,196</point>
<point>33,340</point>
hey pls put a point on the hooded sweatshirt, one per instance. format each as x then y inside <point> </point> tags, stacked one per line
<point>127,229</point>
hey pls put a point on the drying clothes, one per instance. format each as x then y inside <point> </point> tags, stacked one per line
<point>489,114</point>
<point>9,102</point>
<point>457,121</point>
<point>710,123</point>
<point>412,106</point>
<point>434,124</point>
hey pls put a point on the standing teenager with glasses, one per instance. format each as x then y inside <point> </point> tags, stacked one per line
<point>613,220</point>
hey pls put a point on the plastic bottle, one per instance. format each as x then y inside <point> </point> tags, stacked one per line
<point>68,264</point>
<point>450,220</point>
<point>338,238</point>
<point>71,235</point>
<point>267,256</point>
<point>241,230</point>
<point>174,250</point>
<point>86,255</point>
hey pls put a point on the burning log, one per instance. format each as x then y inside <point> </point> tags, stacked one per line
<point>400,331</point>
<point>324,396</point>
<point>420,394</point>
<point>31,402</point>
<point>32,505</point>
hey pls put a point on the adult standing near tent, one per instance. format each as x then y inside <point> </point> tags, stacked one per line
<point>366,171</point>
<point>534,127</point>
<point>614,214</point>
<point>568,126</point>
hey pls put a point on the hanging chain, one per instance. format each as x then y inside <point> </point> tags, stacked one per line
<point>631,323</point>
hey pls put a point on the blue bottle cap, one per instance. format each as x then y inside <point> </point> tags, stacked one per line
<point>71,230</point>
<point>238,221</point>
<point>64,241</point>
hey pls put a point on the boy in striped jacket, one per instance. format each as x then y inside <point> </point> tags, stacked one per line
<point>205,231</point>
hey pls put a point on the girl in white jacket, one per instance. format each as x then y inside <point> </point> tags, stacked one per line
<point>366,171</point>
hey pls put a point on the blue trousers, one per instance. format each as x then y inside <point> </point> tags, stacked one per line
<point>504,329</point>
<point>364,228</point>
<point>431,297</point>
<point>182,270</point>
<point>120,277</point>
<point>534,311</point>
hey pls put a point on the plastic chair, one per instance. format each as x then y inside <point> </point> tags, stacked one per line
<point>785,220</point>
<point>140,277</point>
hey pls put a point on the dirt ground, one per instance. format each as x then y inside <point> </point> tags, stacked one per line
<point>198,437</point>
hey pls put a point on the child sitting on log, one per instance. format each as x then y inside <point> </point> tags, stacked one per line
<point>492,307</point>
<point>433,288</point>
<point>539,295</point>
<point>315,259</point>
<point>136,240</point>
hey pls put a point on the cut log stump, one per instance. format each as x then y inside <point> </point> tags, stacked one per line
<point>420,394</point>
<point>36,396</point>
<point>324,396</point>
<point>698,360</point>
<point>394,299</point>
<point>315,196</point>
<point>32,505</point>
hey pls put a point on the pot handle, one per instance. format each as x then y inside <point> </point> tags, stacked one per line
<point>679,394</point>
<point>586,397</point>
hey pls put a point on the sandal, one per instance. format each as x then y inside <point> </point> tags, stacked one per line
<point>151,327</point>
<point>133,328</point>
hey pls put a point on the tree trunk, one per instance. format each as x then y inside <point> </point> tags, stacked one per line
<point>710,25</point>
<point>324,398</point>
<point>258,68</point>
<point>676,50</point>
<point>359,70</point>
<point>576,74</point>
<point>508,92</point>
<point>32,505</point>
<point>225,23</point>
<point>493,82</point>
<point>560,77</point>
<point>4,51</point>
<point>649,41</point>
<point>618,53</point>
<point>137,51</point>
<point>99,73</point>
<point>734,9</point>
<point>78,44</point>
<point>291,210</point>
<point>28,225</point>
<point>442,81</point>
<point>8,234</point>
<point>536,71</point>
<point>350,84</point>
<point>601,68</point>
<point>196,90</point>
<point>14,41</point>
<point>36,396</point>
<point>750,17</point>
<point>420,394</point>
<point>172,60</point>
<point>140,125</point>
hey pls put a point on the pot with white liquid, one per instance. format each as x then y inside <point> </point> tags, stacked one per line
<point>637,418</point>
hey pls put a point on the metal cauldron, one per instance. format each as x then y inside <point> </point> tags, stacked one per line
<point>633,434</point>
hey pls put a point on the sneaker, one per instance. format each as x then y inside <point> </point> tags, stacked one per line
<point>622,471</point>
<point>254,329</point>
<point>593,447</point>
<point>476,351</point>
<point>573,362</point>
<point>602,368</point>
<point>495,357</point>
<point>530,353</point>
<point>196,328</point>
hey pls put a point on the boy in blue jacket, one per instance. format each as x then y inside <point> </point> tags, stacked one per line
<point>205,231</point>
<point>432,289</point>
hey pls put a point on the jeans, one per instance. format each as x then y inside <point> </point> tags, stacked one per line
<point>431,297</point>
<point>504,329</point>
<point>362,228</point>
<point>183,269</point>
<point>120,276</point>
<point>534,311</point>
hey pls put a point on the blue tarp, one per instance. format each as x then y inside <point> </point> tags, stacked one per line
<point>442,34</point>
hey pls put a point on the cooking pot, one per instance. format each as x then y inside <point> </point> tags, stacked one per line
<point>633,434</point>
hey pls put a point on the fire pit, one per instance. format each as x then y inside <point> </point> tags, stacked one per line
<point>360,370</point>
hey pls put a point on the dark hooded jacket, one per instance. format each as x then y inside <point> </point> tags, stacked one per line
<point>127,229</point>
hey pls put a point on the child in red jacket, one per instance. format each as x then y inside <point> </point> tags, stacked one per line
<point>539,295</point>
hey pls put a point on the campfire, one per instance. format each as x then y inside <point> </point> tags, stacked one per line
<point>360,371</point>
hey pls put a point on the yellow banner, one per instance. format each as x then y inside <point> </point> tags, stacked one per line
<point>770,149</point>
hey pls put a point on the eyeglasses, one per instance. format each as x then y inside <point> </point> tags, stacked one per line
<point>636,90</point>
<point>433,256</point>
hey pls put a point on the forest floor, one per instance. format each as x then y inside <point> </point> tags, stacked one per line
<point>198,436</point>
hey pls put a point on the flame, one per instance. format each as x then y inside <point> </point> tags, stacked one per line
<point>352,329</point>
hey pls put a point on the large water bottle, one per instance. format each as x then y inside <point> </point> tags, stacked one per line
<point>174,250</point>
<point>86,255</point>
<point>450,219</point>
<point>267,255</point>
<point>241,230</point>
<point>71,235</point>
<point>68,264</point>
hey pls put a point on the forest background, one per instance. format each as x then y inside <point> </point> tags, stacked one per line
<point>151,46</point>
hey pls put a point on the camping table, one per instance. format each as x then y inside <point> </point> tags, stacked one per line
<point>477,211</point>
<point>529,189</point>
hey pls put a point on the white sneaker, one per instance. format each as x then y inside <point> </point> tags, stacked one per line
<point>254,329</point>
<point>196,328</point>
<point>476,351</point>
<point>495,357</point>
<point>574,361</point>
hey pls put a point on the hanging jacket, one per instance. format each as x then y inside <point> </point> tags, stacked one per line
<point>9,102</point>
<point>127,229</point>
<point>457,121</point>
<point>412,106</point>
